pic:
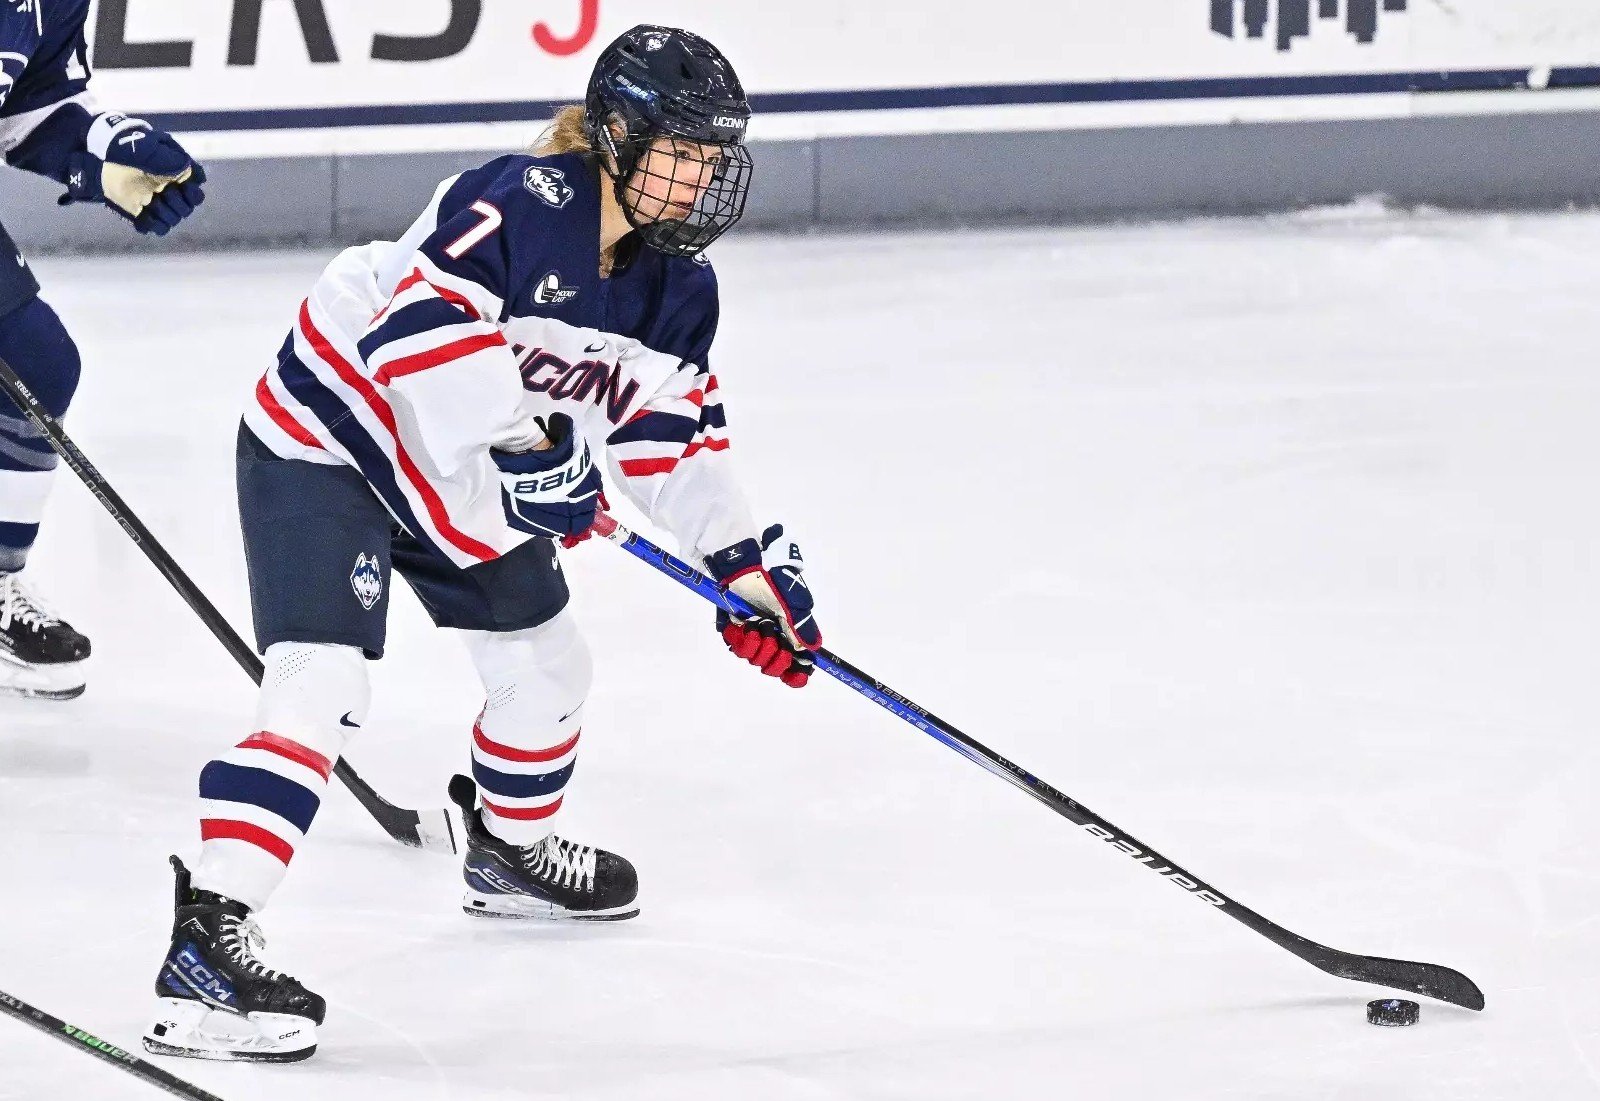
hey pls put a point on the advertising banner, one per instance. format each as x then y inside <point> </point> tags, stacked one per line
<point>316,76</point>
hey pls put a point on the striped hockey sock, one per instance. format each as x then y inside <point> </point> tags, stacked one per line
<point>521,788</point>
<point>525,742</point>
<point>36,346</point>
<point>259,798</point>
<point>258,801</point>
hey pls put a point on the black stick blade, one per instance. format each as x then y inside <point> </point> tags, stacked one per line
<point>430,830</point>
<point>1431,980</point>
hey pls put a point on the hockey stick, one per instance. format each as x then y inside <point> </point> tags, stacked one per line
<point>97,1047</point>
<point>1430,979</point>
<point>430,829</point>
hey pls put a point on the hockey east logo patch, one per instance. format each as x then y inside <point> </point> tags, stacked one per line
<point>548,184</point>
<point>550,292</point>
<point>367,580</point>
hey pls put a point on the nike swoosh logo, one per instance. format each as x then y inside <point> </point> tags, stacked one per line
<point>344,720</point>
<point>600,347</point>
<point>573,712</point>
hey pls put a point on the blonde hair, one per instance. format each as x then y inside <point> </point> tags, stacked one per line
<point>565,134</point>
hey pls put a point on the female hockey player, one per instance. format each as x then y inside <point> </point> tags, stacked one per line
<point>431,414</point>
<point>50,125</point>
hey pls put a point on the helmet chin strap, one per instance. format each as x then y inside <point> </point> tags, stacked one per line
<point>619,185</point>
<point>629,211</point>
<point>611,165</point>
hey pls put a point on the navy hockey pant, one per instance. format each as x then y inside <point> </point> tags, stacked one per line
<point>322,553</point>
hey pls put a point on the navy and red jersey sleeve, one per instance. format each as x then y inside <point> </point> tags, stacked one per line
<point>478,242</point>
<point>438,343</point>
<point>671,457</point>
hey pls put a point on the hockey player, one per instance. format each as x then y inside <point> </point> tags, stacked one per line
<point>432,414</point>
<point>50,124</point>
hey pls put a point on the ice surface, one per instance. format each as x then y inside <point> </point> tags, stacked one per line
<point>1271,541</point>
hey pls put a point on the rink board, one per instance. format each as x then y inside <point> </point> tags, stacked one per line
<point>1476,162</point>
<point>337,127</point>
<point>1547,160</point>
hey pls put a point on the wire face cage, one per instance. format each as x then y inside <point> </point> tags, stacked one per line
<point>683,194</point>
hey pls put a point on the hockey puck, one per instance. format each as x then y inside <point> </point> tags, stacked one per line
<point>1393,1012</point>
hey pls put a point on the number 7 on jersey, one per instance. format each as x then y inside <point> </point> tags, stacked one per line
<point>472,237</point>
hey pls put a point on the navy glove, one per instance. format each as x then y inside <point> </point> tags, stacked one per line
<point>554,492</point>
<point>138,171</point>
<point>769,576</point>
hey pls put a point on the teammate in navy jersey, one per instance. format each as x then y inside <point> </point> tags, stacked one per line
<point>432,414</point>
<point>50,125</point>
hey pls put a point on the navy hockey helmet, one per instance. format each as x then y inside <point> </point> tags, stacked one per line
<point>664,83</point>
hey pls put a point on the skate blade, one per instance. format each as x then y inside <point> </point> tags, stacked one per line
<point>14,692</point>
<point>20,680</point>
<point>527,908</point>
<point>191,1030</point>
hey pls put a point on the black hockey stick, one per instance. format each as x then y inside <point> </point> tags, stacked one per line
<point>1430,979</point>
<point>84,1041</point>
<point>429,829</point>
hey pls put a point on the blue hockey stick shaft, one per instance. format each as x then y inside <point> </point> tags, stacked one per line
<point>876,691</point>
<point>1430,979</point>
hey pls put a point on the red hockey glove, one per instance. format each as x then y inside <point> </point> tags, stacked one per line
<point>769,576</point>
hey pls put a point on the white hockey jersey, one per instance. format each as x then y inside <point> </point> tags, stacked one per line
<point>410,360</point>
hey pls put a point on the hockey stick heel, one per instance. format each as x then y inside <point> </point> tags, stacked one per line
<point>427,830</point>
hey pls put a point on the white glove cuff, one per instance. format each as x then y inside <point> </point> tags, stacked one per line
<point>106,127</point>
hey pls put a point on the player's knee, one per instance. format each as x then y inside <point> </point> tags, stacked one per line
<point>536,676</point>
<point>314,693</point>
<point>39,348</point>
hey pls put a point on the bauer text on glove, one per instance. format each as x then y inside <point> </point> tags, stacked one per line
<point>553,492</point>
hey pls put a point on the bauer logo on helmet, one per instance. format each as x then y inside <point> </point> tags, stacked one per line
<point>637,91</point>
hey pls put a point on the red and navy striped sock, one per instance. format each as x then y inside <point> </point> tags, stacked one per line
<point>522,786</point>
<point>258,801</point>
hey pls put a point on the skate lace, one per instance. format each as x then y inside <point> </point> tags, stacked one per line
<point>240,939</point>
<point>562,862</point>
<point>19,605</point>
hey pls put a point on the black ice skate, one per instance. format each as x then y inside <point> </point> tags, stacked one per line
<point>553,880</point>
<point>40,654</point>
<point>217,1001</point>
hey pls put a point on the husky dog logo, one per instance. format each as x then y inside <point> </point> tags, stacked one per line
<point>550,292</point>
<point>549,184</point>
<point>367,580</point>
